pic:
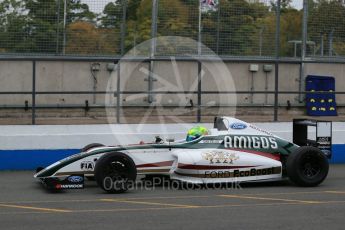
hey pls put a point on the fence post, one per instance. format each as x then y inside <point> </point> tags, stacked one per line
<point>122,49</point>
<point>330,42</point>
<point>218,28</point>
<point>57,27</point>
<point>198,118</point>
<point>123,27</point>
<point>304,48</point>
<point>33,106</point>
<point>276,71</point>
<point>64,26</point>
<point>118,93</point>
<point>153,50</point>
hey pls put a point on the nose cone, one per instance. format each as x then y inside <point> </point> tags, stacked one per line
<point>39,171</point>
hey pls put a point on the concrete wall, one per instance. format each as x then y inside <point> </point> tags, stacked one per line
<point>15,76</point>
<point>76,76</point>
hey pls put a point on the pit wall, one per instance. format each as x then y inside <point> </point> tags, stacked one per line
<point>77,76</point>
<point>27,147</point>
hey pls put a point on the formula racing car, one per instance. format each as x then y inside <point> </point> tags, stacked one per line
<point>232,151</point>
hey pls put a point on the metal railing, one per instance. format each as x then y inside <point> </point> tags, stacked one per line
<point>118,92</point>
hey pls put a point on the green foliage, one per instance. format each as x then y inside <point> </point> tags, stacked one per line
<point>240,26</point>
<point>13,27</point>
<point>112,14</point>
<point>327,19</point>
<point>76,10</point>
<point>327,16</point>
<point>244,27</point>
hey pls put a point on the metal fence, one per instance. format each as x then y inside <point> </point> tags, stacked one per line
<point>240,28</point>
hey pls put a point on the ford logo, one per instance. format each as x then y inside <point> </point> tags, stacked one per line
<point>238,126</point>
<point>75,179</point>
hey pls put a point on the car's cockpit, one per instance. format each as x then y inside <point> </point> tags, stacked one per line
<point>219,124</point>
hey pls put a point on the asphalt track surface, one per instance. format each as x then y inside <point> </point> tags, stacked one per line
<point>24,204</point>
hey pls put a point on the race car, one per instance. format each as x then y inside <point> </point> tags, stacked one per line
<point>232,151</point>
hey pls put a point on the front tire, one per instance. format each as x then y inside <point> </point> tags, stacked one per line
<point>307,166</point>
<point>115,172</point>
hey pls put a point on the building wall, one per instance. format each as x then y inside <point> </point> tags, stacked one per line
<point>173,76</point>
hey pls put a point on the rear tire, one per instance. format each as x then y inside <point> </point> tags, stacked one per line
<point>115,172</point>
<point>90,146</point>
<point>307,166</point>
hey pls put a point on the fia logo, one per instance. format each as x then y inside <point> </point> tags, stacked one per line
<point>87,166</point>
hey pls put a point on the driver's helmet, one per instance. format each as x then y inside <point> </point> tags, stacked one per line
<point>196,132</point>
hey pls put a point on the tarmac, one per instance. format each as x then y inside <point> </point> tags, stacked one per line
<point>25,204</point>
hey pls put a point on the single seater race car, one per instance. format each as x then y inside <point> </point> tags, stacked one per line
<point>233,151</point>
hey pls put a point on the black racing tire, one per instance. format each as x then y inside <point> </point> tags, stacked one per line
<point>90,146</point>
<point>115,172</point>
<point>307,166</point>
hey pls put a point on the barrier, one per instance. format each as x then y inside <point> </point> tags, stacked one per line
<point>27,147</point>
<point>31,159</point>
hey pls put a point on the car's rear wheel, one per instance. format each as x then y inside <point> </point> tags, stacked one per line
<point>307,166</point>
<point>115,172</point>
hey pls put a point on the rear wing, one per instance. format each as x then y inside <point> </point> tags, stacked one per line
<point>323,137</point>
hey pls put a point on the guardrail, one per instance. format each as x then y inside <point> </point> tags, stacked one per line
<point>117,93</point>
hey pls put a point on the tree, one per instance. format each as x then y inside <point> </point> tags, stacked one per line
<point>86,39</point>
<point>290,29</point>
<point>173,18</point>
<point>284,5</point>
<point>78,11</point>
<point>239,26</point>
<point>46,22</point>
<point>112,14</point>
<point>326,21</point>
<point>132,9</point>
<point>244,26</point>
<point>138,23</point>
<point>13,27</point>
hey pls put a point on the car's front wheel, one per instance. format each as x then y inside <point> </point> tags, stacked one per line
<point>307,166</point>
<point>115,172</point>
